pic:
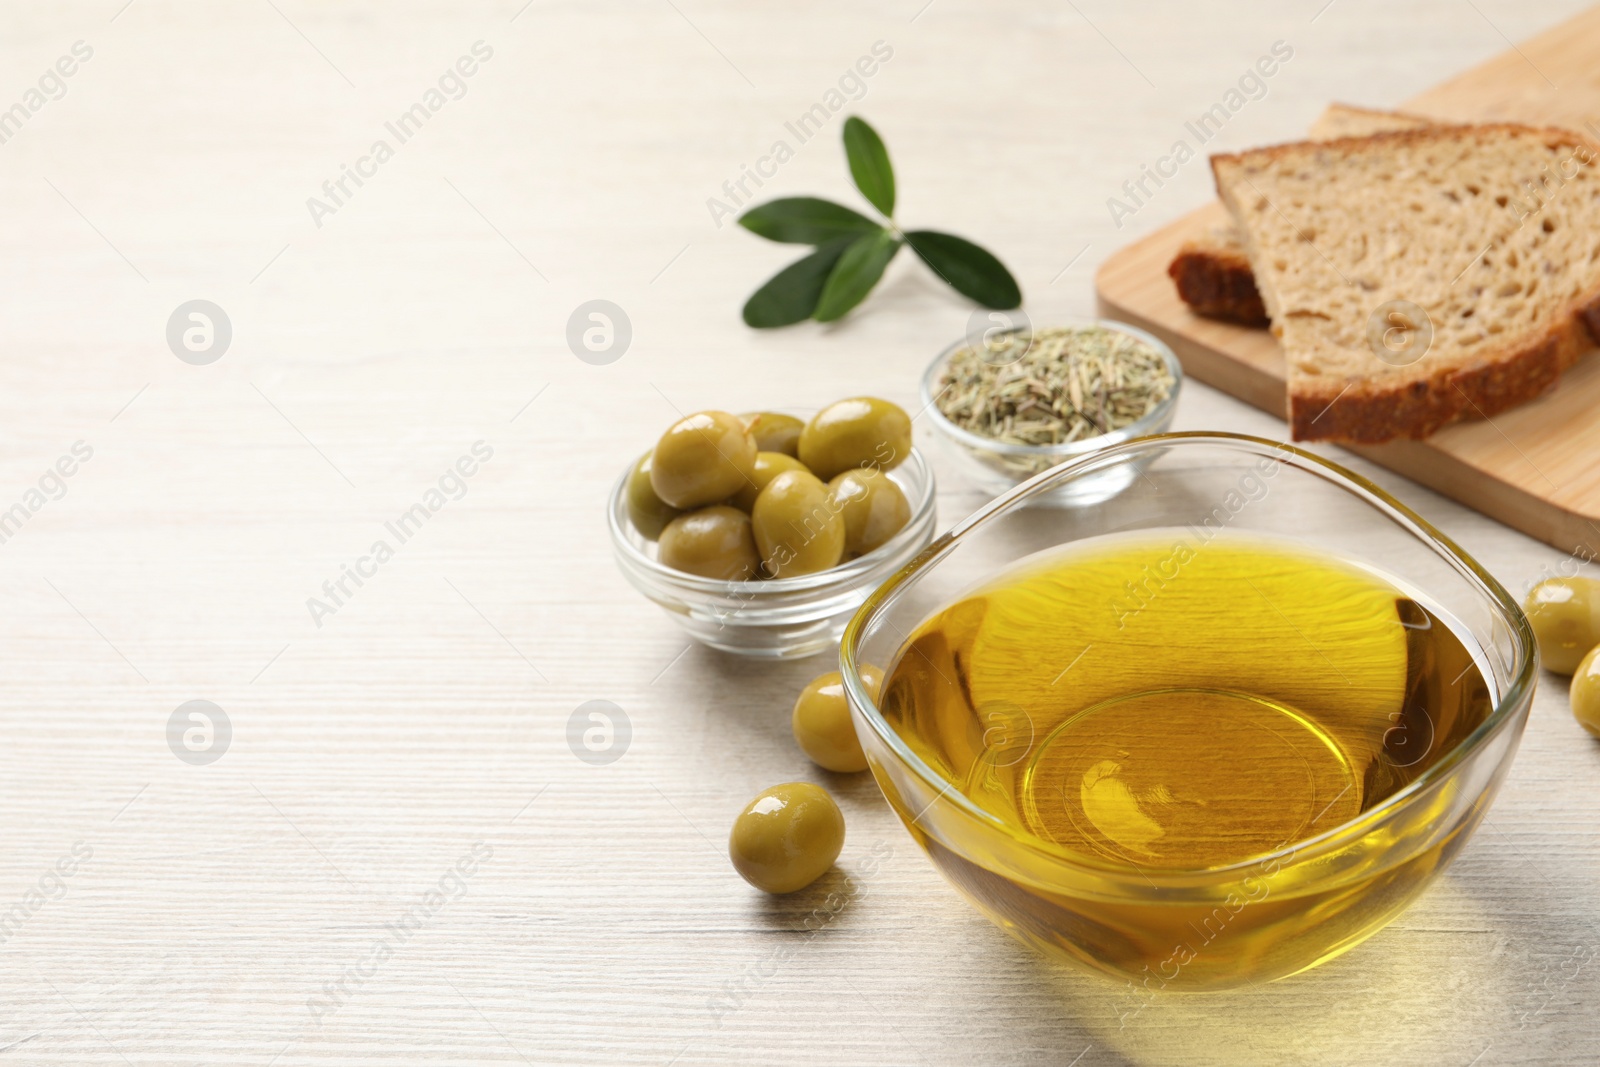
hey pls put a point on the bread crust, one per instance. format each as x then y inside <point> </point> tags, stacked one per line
<point>1554,136</point>
<point>1384,119</point>
<point>1376,410</point>
<point>1371,412</point>
<point>1218,283</point>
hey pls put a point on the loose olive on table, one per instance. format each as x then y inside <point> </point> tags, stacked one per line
<point>1585,695</point>
<point>702,459</point>
<point>786,837</point>
<point>822,725</point>
<point>873,507</point>
<point>798,531</point>
<point>1565,613</point>
<point>860,432</point>
<point>714,542</point>
<point>648,512</point>
<point>775,431</point>
<point>768,466</point>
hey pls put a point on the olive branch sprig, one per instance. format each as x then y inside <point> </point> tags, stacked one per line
<point>852,251</point>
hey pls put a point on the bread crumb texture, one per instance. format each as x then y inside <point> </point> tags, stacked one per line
<point>1212,270</point>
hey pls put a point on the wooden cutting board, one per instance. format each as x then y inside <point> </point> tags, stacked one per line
<point>1536,467</point>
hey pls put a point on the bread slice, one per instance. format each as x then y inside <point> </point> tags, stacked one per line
<point>1492,231</point>
<point>1213,277</point>
<point>1211,270</point>
<point>1347,120</point>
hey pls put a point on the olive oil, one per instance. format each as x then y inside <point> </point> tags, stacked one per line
<point>1163,704</point>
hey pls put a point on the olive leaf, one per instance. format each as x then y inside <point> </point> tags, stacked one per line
<point>966,268</point>
<point>852,251</point>
<point>858,270</point>
<point>791,295</point>
<point>805,220</point>
<point>869,164</point>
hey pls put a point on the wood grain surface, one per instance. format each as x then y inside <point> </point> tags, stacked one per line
<point>277,905</point>
<point>1533,466</point>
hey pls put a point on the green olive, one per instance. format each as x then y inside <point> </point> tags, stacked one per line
<point>786,837</point>
<point>859,432</point>
<point>703,459</point>
<point>821,721</point>
<point>1586,692</point>
<point>873,507</point>
<point>775,431</point>
<point>797,527</point>
<point>768,466</point>
<point>713,542</point>
<point>1565,613</point>
<point>648,512</point>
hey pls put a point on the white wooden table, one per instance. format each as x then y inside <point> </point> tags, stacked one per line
<point>273,906</point>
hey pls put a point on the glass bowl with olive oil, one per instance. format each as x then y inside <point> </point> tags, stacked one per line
<point>1215,731</point>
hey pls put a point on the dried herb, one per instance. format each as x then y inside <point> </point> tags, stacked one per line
<point>1054,386</point>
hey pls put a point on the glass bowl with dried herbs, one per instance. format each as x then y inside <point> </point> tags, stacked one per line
<point>1014,403</point>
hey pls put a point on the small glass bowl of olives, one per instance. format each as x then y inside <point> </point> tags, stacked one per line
<point>762,533</point>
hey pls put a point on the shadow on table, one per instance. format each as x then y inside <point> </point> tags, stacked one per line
<point>823,907</point>
<point>1451,977</point>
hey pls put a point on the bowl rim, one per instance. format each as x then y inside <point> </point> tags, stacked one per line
<point>1143,427</point>
<point>754,590</point>
<point>1516,696</point>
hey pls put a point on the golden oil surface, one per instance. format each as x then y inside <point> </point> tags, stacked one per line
<point>1171,703</point>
